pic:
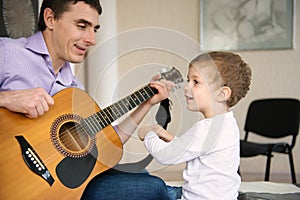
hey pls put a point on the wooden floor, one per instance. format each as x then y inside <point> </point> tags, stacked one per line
<point>175,175</point>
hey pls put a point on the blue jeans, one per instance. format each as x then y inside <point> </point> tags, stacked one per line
<point>174,192</point>
<point>114,185</point>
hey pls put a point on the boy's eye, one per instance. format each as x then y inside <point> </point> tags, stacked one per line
<point>196,82</point>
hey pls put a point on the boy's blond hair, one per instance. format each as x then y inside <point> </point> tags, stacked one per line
<point>230,70</point>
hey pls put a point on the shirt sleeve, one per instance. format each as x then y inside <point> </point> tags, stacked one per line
<point>199,140</point>
<point>180,149</point>
<point>2,55</point>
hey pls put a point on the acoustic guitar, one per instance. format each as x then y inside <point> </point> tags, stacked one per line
<point>55,156</point>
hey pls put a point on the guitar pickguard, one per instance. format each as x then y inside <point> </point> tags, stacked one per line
<point>72,172</point>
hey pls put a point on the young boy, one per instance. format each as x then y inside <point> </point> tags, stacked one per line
<point>210,148</point>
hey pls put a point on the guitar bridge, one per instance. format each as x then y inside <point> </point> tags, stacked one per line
<point>33,161</point>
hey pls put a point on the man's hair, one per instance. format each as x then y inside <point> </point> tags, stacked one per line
<point>60,6</point>
<point>231,69</point>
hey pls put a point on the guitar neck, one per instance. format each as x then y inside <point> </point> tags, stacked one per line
<point>96,122</point>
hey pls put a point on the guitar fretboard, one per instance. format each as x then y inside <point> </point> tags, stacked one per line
<point>96,122</point>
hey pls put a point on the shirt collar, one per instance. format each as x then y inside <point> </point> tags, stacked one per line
<point>65,75</point>
<point>36,43</point>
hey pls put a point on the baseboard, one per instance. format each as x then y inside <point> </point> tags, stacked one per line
<point>176,175</point>
<point>274,177</point>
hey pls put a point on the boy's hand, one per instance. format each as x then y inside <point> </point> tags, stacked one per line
<point>160,131</point>
<point>142,132</point>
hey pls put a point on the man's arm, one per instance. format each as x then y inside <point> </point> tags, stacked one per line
<point>128,126</point>
<point>32,102</point>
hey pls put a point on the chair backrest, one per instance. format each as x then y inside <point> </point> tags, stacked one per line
<point>273,118</point>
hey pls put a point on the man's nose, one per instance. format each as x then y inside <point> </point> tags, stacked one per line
<point>91,38</point>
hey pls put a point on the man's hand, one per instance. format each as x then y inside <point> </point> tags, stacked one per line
<point>163,87</point>
<point>128,126</point>
<point>32,102</point>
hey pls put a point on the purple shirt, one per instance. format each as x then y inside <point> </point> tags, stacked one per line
<point>25,63</point>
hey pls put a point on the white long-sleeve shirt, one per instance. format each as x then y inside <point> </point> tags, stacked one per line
<point>211,149</point>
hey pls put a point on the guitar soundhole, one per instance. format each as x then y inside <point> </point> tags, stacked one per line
<point>70,138</point>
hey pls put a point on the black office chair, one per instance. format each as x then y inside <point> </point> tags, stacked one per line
<point>272,118</point>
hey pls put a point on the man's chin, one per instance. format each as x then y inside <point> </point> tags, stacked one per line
<point>78,59</point>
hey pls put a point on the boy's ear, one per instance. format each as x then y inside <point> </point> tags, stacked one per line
<point>224,94</point>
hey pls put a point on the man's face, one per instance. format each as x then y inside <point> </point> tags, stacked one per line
<point>73,33</point>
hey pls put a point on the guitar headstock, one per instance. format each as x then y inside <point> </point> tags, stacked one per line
<point>173,75</point>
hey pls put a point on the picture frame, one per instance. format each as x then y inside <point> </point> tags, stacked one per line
<point>246,24</point>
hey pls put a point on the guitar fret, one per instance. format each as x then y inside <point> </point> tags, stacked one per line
<point>145,94</point>
<point>103,118</point>
<point>134,100</point>
<point>124,105</point>
<point>92,123</point>
<point>106,116</point>
<point>106,119</point>
<point>100,117</point>
<point>87,127</point>
<point>109,114</point>
<point>95,122</point>
<point>150,90</point>
<point>120,108</point>
<point>116,112</point>
<point>140,96</point>
<point>131,102</point>
<point>128,104</point>
<point>101,125</point>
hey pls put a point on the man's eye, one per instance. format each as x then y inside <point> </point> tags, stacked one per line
<point>81,26</point>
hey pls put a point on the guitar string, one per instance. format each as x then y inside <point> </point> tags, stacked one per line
<point>140,94</point>
<point>140,97</point>
<point>71,135</point>
<point>64,134</point>
<point>53,157</point>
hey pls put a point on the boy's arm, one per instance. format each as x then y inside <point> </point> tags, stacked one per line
<point>128,126</point>
<point>160,131</point>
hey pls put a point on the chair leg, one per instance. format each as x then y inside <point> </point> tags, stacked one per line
<point>293,174</point>
<point>268,166</point>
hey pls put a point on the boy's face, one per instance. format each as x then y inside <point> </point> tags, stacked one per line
<point>73,33</point>
<point>199,91</point>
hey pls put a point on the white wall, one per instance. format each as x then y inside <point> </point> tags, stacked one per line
<point>136,52</point>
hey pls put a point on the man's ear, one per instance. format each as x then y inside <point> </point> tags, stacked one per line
<point>49,18</point>
<point>224,94</point>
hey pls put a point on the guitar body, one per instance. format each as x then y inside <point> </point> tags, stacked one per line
<point>66,160</point>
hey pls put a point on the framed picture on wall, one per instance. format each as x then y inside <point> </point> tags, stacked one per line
<point>246,24</point>
<point>18,18</point>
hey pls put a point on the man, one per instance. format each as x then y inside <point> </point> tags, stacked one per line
<point>27,84</point>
